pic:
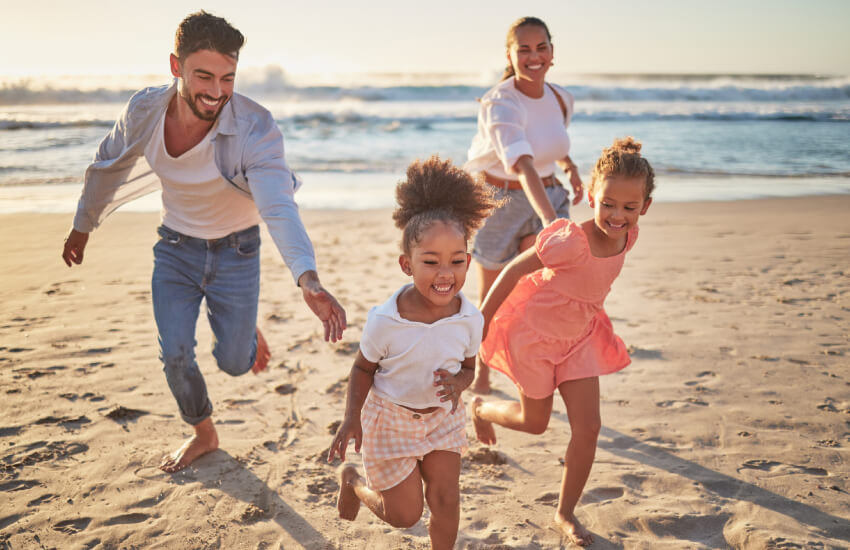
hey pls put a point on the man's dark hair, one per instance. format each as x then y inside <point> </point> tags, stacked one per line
<point>204,31</point>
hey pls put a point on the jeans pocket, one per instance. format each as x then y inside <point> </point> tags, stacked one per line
<point>169,235</point>
<point>249,247</point>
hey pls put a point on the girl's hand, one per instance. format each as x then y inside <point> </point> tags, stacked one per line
<point>348,430</point>
<point>452,384</point>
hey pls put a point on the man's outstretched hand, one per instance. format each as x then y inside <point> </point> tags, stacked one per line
<point>323,305</point>
<point>75,246</point>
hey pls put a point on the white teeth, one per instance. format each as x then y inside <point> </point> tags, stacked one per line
<point>534,67</point>
<point>208,102</point>
<point>442,288</point>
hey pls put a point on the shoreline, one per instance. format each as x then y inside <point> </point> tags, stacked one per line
<point>727,430</point>
<point>370,191</point>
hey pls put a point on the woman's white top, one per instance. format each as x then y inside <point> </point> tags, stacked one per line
<point>511,124</point>
<point>196,199</point>
<point>408,352</point>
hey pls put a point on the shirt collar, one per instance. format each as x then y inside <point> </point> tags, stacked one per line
<point>390,307</point>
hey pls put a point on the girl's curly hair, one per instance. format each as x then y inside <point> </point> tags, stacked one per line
<point>436,190</point>
<point>623,159</point>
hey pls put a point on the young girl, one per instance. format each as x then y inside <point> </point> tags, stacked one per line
<point>417,354</point>
<point>545,327</point>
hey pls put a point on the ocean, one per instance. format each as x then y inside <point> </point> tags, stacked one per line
<point>709,137</point>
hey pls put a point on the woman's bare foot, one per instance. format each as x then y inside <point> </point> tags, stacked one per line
<point>481,383</point>
<point>204,441</point>
<point>347,501</point>
<point>574,530</point>
<point>263,354</point>
<point>483,429</point>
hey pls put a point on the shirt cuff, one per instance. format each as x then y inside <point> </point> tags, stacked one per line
<point>302,266</point>
<point>512,153</point>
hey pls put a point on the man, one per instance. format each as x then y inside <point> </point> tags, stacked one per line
<point>218,158</point>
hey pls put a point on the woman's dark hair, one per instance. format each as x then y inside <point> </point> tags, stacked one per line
<point>436,190</point>
<point>521,22</point>
<point>204,31</point>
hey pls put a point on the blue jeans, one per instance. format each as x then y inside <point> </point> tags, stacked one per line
<point>226,272</point>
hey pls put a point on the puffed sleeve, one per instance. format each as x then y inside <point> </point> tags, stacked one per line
<point>562,244</point>
<point>505,122</point>
<point>372,345</point>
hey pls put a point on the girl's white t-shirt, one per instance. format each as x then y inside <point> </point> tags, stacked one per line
<point>408,352</point>
<point>511,124</point>
<point>196,199</point>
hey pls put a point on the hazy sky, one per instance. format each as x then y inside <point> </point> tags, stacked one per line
<point>323,37</point>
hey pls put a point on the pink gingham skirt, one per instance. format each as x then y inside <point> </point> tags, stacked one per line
<point>396,438</point>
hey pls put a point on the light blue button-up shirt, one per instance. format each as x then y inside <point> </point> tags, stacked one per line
<point>248,153</point>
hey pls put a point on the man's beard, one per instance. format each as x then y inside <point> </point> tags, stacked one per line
<point>191,102</point>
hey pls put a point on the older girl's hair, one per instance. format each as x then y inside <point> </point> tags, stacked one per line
<point>511,39</point>
<point>435,190</point>
<point>623,159</point>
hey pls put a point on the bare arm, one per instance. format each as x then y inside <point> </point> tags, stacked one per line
<point>527,262</point>
<point>534,190</point>
<point>359,383</point>
<point>568,166</point>
<point>453,384</point>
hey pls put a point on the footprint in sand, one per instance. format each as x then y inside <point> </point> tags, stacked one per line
<point>40,451</point>
<point>286,389</point>
<point>127,519</point>
<point>71,526</point>
<point>779,468</point>
<point>602,494</point>
<point>678,404</point>
<point>232,403</point>
<point>641,353</point>
<point>43,499</point>
<point>18,485</point>
<point>9,431</point>
<point>486,455</point>
<point>338,388</point>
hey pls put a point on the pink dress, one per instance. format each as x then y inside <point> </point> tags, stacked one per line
<point>552,328</point>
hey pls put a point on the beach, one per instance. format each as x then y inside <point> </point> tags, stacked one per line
<point>731,427</point>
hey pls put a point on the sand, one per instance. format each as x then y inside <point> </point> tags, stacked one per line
<point>731,428</point>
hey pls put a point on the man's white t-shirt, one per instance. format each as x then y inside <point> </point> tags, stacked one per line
<point>196,199</point>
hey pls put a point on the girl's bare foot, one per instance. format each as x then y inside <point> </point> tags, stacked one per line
<point>263,354</point>
<point>483,429</point>
<point>481,383</point>
<point>347,501</point>
<point>574,530</point>
<point>204,441</point>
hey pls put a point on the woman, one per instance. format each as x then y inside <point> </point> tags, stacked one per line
<point>522,137</point>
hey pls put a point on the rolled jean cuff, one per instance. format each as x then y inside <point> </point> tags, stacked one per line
<point>195,420</point>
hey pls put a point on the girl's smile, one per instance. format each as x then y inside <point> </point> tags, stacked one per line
<point>438,264</point>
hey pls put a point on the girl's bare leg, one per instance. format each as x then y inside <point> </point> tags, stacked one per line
<point>400,506</point>
<point>526,415</point>
<point>486,277</point>
<point>582,400</point>
<point>441,473</point>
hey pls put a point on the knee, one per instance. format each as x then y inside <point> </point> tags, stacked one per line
<point>234,364</point>
<point>406,516</point>
<point>536,426</point>
<point>443,499</point>
<point>587,432</point>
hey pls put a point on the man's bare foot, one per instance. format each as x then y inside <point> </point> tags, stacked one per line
<point>263,354</point>
<point>481,383</point>
<point>204,441</point>
<point>347,501</point>
<point>483,429</point>
<point>574,530</point>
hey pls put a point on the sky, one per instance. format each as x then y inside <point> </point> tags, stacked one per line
<point>331,37</point>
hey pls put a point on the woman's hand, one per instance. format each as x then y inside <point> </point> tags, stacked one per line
<point>567,165</point>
